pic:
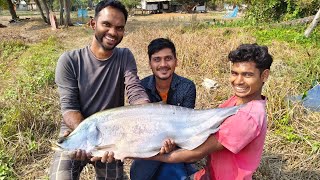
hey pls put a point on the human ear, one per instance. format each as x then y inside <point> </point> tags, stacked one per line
<point>265,75</point>
<point>92,23</point>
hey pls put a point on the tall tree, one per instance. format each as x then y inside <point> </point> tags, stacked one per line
<point>12,10</point>
<point>130,4</point>
<point>61,13</point>
<point>67,9</point>
<point>45,19</point>
<point>45,6</point>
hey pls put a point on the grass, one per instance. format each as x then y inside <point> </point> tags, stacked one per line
<point>29,110</point>
<point>26,115</point>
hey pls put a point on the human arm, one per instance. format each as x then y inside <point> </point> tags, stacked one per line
<point>183,155</point>
<point>66,80</point>
<point>189,98</point>
<point>135,91</point>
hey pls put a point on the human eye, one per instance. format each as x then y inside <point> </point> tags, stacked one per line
<point>234,73</point>
<point>156,59</point>
<point>248,75</point>
<point>169,58</point>
<point>106,24</point>
<point>121,28</point>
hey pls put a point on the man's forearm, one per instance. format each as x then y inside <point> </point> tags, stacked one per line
<point>141,101</point>
<point>177,156</point>
<point>182,155</point>
<point>72,119</point>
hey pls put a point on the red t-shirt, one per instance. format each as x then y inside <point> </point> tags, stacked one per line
<point>243,136</point>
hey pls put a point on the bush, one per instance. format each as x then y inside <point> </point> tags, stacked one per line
<point>279,10</point>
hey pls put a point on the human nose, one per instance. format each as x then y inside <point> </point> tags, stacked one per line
<point>238,79</point>
<point>163,62</point>
<point>112,31</point>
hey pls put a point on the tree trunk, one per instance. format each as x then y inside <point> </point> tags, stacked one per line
<point>313,24</point>
<point>51,5</point>
<point>90,4</point>
<point>45,5</point>
<point>41,12</point>
<point>12,10</point>
<point>67,8</point>
<point>61,13</point>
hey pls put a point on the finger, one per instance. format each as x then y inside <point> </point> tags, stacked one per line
<point>83,155</point>
<point>172,142</point>
<point>78,154</point>
<point>110,157</point>
<point>89,155</point>
<point>73,154</point>
<point>96,159</point>
<point>166,142</point>
<point>162,151</point>
<point>167,149</point>
<point>66,133</point>
<point>105,157</point>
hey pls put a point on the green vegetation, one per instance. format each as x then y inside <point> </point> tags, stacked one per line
<point>25,104</point>
<point>29,108</point>
<point>275,10</point>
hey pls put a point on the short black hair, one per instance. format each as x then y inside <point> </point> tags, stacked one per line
<point>253,53</point>
<point>113,3</point>
<point>161,43</point>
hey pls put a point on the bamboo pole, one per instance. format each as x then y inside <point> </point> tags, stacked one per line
<point>313,24</point>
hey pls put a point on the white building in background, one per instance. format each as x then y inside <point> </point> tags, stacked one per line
<point>155,5</point>
<point>22,6</point>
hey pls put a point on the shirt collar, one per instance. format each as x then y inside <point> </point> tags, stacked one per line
<point>152,83</point>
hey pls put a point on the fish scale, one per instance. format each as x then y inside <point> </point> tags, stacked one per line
<point>140,130</point>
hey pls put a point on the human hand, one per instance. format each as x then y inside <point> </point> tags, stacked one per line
<point>168,146</point>
<point>65,134</point>
<point>78,154</point>
<point>108,157</point>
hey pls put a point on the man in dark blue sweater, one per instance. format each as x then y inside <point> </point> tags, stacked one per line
<point>167,87</point>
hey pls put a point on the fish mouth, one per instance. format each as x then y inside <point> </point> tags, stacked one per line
<point>56,147</point>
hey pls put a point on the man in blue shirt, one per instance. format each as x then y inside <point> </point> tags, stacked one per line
<point>167,87</point>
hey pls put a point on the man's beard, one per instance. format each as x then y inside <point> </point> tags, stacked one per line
<point>100,41</point>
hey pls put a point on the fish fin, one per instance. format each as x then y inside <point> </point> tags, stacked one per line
<point>105,147</point>
<point>56,147</point>
<point>160,102</point>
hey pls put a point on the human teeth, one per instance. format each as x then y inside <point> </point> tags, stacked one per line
<point>109,38</point>
<point>240,89</point>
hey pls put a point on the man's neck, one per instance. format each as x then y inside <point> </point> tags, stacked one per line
<point>163,85</point>
<point>248,99</point>
<point>99,52</point>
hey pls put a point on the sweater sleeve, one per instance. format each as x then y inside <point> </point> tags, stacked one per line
<point>189,98</point>
<point>134,89</point>
<point>66,80</point>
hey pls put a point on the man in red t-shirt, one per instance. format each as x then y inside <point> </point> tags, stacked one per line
<point>235,150</point>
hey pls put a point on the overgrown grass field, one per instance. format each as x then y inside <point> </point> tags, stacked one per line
<point>29,108</point>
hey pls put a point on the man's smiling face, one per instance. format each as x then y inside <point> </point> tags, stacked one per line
<point>247,80</point>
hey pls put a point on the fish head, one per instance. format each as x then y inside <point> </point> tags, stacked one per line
<point>86,136</point>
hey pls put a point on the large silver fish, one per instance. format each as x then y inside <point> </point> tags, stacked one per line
<point>140,130</point>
